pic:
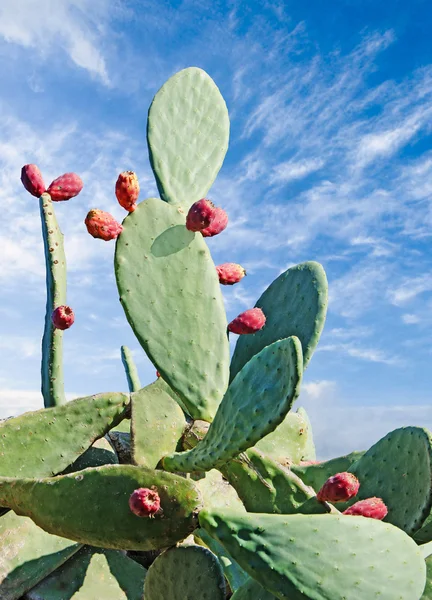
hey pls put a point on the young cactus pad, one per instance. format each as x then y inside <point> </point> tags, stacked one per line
<point>322,557</point>
<point>187,135</point>
<point>255,403</point>
<point>294,304</point>
<point>76,506</point>
<point>183,329</point>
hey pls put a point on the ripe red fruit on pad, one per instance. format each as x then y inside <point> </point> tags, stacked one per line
<point>218,224</point>
<point>127,190</point>
<point>230,273</point>
<point>63,317</point>
<point>102,225</point>
<point>32,180</point>
<point>250,321</point>
<point>339,488</point>
<point>65,187</point>
<point>374,508</point>
<point>144,502</point>
<point>200,215</point>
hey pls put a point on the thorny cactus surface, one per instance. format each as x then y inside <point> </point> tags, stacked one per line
<point>203,484</point>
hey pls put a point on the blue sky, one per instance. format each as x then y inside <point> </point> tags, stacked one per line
<point>330,159</point>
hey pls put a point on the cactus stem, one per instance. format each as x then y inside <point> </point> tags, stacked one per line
<point>130,369</point>
<point>52,341</point>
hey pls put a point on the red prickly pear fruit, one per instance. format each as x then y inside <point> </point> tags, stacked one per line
<point>373,508</point>
<point>144,502</point>
<point>65,187</point>
<point>158,374</point>
<point>230,273</point>
<point>249,321</point>
<point>127,190</point>
<point>339,488</point>
<point>102,225</point>
<point>63,317</point>
<point>200,215</point>
<point>32,180</point>
<point>217,225</point>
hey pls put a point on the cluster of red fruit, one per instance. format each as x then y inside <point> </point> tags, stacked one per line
<point>343,486</point>
<point>203,217</point>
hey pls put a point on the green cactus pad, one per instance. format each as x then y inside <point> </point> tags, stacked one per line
<point>28,555</point>
<point>255,403</point>
<point>183,330</point>
<point>100,453</point>
<point>216,492</point>
<point>45,442</point>
<point>252,590</point>
<point>295,304</point>
<point>317,475</point>
<point>234,574</point>
<point>92,506</point>
<point>322,557</point>
<point>426,549</point>
<point>93,574</point>
<point>309,452</point>
<point>427,594</point>
<point>290,442</point>
<point>398,469</point>
<point>187,135</point>
<point>185,573</point>
<point>132,376</point>
<point>157,424</point>
<point>265,486</point>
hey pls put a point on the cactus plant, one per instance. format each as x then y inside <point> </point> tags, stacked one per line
<point>212,443</point>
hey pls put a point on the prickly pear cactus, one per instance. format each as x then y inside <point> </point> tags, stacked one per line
<point>203,483</point>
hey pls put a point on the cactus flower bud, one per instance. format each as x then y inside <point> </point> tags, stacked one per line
<point>32,180</point>
<point>339,488</point>
<point>200,215</point>
<point>218,224</point>
<point>65,187</point>
<point>63,317</point>
<point>144,502</point>
<point>373,508</point>
<point>250,321</point>
<point>230,273</point>
<point>127,190</point>
<point>102,225</point>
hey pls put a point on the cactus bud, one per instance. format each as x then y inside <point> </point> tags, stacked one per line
<point>230,273</point>
<point>65,187</point>
<point>32,180</point>
<point>373,508</point>
<point>144,502</point>
<point>200,215</point>
<point>63,317</point>
<point>102,225</point>
<point>339,488</point>
<point>250,321</point>
<point>218,224</point>
<point>127,190</point>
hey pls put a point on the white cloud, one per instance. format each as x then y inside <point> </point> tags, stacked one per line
<point>292,170</point>
<point>75,26</point>
<point>410,319</point>
<point>410,289</point>
<point>16,402</point>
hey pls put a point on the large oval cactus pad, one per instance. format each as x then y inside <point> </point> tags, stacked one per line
<point>93,574</point>
<point>398,469</point>
<point>187,135</point>
<point>294,304</point>
<point>45,442</point>
<point>92,506</point>
<point>171,295</point>
<point>28,554</point>
<point>255,403</point>
<point>322,557</point>
<point>252,590</point>
<point>185,573</point>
